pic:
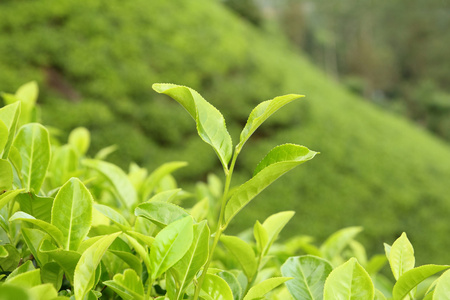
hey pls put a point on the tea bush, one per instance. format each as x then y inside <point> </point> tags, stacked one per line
<point>74,227</point>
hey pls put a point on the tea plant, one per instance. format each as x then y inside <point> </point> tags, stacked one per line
<point>74,227</point>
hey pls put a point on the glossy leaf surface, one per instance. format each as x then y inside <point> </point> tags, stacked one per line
<point>10,117</point>
<point>33,143</point>
<point>349,281</point>
<point>216,287</point>
<point>401,256</point>
<point>309,274</point>
<point>259,290</point>
<point>160,213</point>
<point>261,113</point>
<point>127,285</point>
<point>273,226</point>
<point>243,253</point>
<point>85,269</point>
<point>278,161</point>
<point>210,122</point>
<point>114,216</point>
<point>442,290</point>
<point>72,213</point>
<point>170,245</point>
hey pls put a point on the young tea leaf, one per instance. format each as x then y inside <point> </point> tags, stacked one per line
<point>243,253</point>
<point>442,290</point>
<point>259,290</point>
<point>349,281</point>
<point>157,175</point>
<point>278,161</point>
<point>309,274</point>
<point>33,144</point>
<point>10,117</point>
<point>72,212</point>
<point>127,285</point>
<point>114,216</point>
<point>8,196</point>
<point>401,256</point>
<point>334,245</point>
<point>85,269</point>
<point>80,139</point>
<point>170,245</point>
<point>3,135</point>
<point>160,213</point>
<point>210,122</point>
<point>273,226</point>
<point>261,113</point>
<point>216,287</point>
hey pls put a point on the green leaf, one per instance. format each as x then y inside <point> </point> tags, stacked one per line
<point>401,256</point>
<point>210,122</point>
<point>79,139</point>
<point>243,253</point>
<point>185,269</point>
<point>261,237</point>
<point>233,283</point>
<point>170,245</point>
<point>33,143</point>
<point>379,295</point>
<point>8,292</point>
<point>38,207</point>
<point>114,216</point>
<point>44,292</point>
<point>6,175</point>
<point>27,279</point>
<point>261,113</point>
<point>127,285</point>
<point>51,229</point>
<point>72,213</point>
<point>376,263</point>
<point>442,290</point>
<point>310,273</point>
<point>216,287</point>
<point>349,281</point>
<point>85,269</point>
<point>10,262</point>
<point>26,267</point>
<point>334,245</point>
<point>145,239</point>
<point>52,273</point>
<point>412,278</point>
<point>66,259</point>
<point>8,196</point>
<point>10,117</point>
<point>27,94</point>
<point>273,226</point>
<point>33,238</point>
<point>259,290</point>
<point>129,259</point>
<point>278,161</point>
<point>157,175</point>
<point>160,213</point>
<point>63,166</point>
<point>3,135</point>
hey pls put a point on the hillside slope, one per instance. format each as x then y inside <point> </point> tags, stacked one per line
<point>96,60</point>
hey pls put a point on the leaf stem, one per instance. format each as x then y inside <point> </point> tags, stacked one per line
<point>219,229</point>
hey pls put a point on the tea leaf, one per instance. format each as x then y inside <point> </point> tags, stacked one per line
<point>273,226</point>
<point>210,122</point>
<point>33,143</point>
<point>216,287</point>
<point>243,253</point>
<point>349,281</point>
<point>85,269</point>
<point>310,273</point>
<point>412,278</point>
<point>278,161</point>
<point>401,256</point>
<point>127,285</point>
<point>8,196</point>
<point>3,135</point>
<point>170,245</point>
<point>259,290</point>
<point>157,175</point>
<point>442,290</point>
<point>118,179</point>
<point>160,213</point>
<point>114,216</point>
<point>10,117</point>
<point>261,113</point>
<point>334,245</point>
<point>72,213</point>
<point>79,139</point>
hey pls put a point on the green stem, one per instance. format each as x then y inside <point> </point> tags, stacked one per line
<point>219,229</point>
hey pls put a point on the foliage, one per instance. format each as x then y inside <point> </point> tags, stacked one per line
<point>378,172</point>
<point>93,237</point>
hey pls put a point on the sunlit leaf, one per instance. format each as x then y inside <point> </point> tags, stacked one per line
<point>127,285</point>
<point>273,226</point>
<point>114,216</point>
<point>9,114</point>
<point>210,122</point>
<point>401,256</point>
<point>152,181</point>
<point>259,290</point>
<point>442,289</point>
<point>80,140</point>
<point>216,287</point>
<point>243,253</point>
<point>334,244</point>
<point>160,213</point>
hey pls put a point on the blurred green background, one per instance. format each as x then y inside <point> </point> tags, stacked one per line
<point>376,76</point>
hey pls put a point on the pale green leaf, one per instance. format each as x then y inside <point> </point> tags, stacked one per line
<point>442,290</point>
<point>273,226</point>
<point>37,206</point>
<point>33,238</point>
<point>243,253</point>
<point>379,295</point>
<point>80,139</point>
<point>27,279</point>
<point>349,281</point>
<point>200,210</point>
<point>401,256</point>
<point>25,267</point>
<point>278,161</point>
<point>129,259</point>
<point>127,285</point>
<point>410,279</point>
<point>334,244</point>
<point>210,122</point>
<point>160,213</point>
<point>233,283</point>
<point>114,216</point>
<point>51,229</point>
<point>259,290</point>
<point>72,213</point>
<point>145,239</point>
<point>309,274</point>
<point>170,245</point>
<point>10,117</point>
<point>44,292</point>
<point>85,269</point>
<point>8,292</point>
<point>52,273</point>
<point>6,175</point>
<point>216,287</point>
<point>3,135</point>
<point>11,261</point>
<point>33,143</point>
<point>157,175</point>
<point>261,113</point>
<point>63,166</point>
<point>261,237</point>
<point>8,196</point>
<point>185,269</point>
<point>118,179</point>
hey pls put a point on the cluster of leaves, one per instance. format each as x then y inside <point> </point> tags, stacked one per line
<point>134,241</point>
